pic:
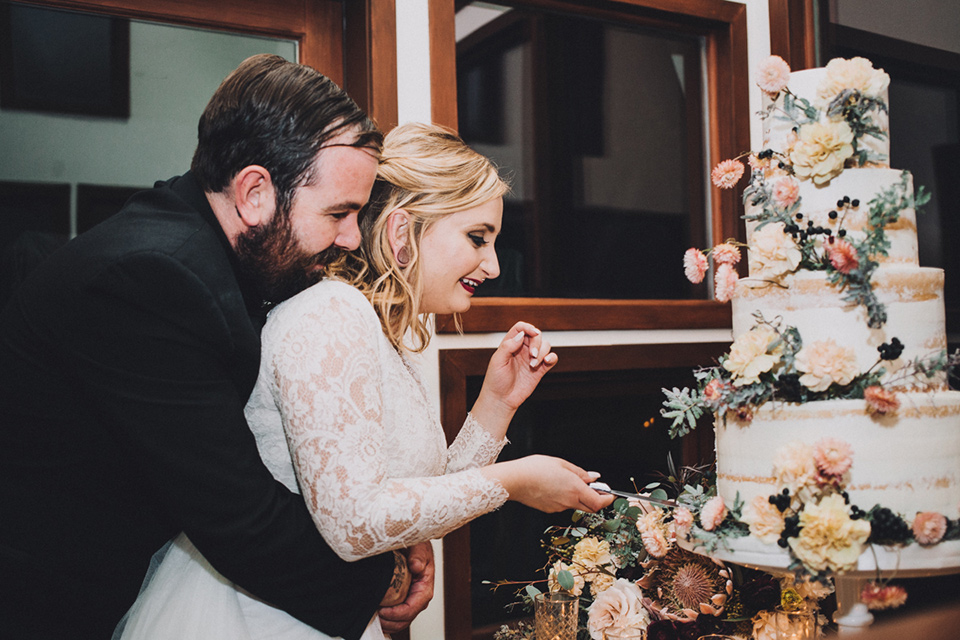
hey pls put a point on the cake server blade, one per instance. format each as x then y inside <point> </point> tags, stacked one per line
<point>601,486</point>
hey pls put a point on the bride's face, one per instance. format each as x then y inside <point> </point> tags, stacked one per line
<point>457,255</point>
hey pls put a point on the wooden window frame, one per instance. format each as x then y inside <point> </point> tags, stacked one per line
<point>723,27</point>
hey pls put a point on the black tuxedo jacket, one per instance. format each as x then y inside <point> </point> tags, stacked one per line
<point>125,362</point>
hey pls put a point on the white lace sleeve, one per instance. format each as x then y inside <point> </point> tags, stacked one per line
<point>473,447</point>
<point>349,409</point>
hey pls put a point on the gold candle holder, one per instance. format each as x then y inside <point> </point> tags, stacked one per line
<point>555,616</point>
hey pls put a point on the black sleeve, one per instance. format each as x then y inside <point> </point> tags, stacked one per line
<point>154,350</point>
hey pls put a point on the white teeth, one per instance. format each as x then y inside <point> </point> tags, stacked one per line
<point>469,282</point>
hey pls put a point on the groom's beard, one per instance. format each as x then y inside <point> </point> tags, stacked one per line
<point>272,259</point>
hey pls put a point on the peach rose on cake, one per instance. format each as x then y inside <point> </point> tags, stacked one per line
<point>825,363</point>
<point>821,150</point>
<point>750,355</point>
<point>829,539</point>
<point>773,252</point>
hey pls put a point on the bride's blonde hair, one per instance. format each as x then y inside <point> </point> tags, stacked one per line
<point>429,172</point>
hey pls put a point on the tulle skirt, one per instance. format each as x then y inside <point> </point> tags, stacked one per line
<point>185,598</point>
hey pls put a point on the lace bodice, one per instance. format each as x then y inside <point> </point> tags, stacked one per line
<point>367,452</point>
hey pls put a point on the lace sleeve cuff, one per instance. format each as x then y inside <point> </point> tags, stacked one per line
<point>473,447</point>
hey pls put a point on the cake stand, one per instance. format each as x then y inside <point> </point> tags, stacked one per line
<point>912,561</point>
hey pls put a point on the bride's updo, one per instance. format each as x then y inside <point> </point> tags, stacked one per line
<point>429,172</point>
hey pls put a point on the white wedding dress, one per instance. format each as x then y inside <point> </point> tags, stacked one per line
<point>341,416</point>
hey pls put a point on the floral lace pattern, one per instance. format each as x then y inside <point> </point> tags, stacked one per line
<point>368,454</point>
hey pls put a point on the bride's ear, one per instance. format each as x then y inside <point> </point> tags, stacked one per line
<point>398,236</point>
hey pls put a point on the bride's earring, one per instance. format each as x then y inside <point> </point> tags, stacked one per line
<point>403,256</point>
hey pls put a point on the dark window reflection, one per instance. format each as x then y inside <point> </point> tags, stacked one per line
<point>600,129</point>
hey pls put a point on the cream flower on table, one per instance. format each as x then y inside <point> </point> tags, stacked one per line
<point>764,519</point>
<point>600,582</point>
<point>825,363</point>
<point>794,469</point>
<point>750,355</point>
<point>591,553</point>
<point>773,252</point>
<point>821,150</point>
<point>553,581</point>
<point>619,606</point>
<point>857,74</point>
<point>829,539</point>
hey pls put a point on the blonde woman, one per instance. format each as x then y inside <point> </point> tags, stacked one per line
<point>340,410</point>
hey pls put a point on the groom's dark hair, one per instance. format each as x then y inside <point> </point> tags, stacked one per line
<point>276,114</point>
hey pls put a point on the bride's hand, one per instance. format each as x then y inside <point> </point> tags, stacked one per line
<point>548,484</point>
<point>516,367</point>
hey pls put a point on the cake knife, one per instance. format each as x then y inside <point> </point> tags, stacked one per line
<point>605,488</point>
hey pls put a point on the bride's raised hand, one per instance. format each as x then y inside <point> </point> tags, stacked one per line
<point>516,367</point>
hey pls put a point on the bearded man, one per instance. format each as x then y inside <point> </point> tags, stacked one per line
<point>128,355</point>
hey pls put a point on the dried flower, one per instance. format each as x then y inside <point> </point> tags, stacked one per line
<point>695,265</point>
<point>621,605</point>
<point>713,513</point>
<point>726,174</point>
<point>829,539</point>
<point>821,150</point>
<point>553,581</point>
<point>857,74</point>
<point>786,191</point>
<point>682,522</point>
<point>929,527</point>
<point>842,255</point>
<point>750,355</point>
<point>653,534</point>
<point>880,400</point>
<point>725,283</point>
<point>713,391</point>
<point>726,253</point>
<point>833,457</point>
<point>876,596</point>
<point>773,252</point>
<point>825,363</point>
<point>764,519</point>
<point>773,74</point>
<point>805,587</point>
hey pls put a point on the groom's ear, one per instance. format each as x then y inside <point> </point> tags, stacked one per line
<point>254,195</point>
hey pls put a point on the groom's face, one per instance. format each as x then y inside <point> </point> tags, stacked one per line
<point>289,253</point>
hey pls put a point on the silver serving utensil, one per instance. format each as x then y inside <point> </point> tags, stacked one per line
<point>605,488</point>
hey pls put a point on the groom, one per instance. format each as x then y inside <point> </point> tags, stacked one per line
<point>127,357</point>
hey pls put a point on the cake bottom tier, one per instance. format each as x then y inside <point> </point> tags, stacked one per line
<point>908,462</point>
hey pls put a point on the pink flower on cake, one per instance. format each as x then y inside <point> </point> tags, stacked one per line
<point>833,457</point>
<point>842,254</point>
<point>764,519</point>
<point>929,527</point>
<point>695,265</point>
<point>786,191</point>
<point>725,283</point>
<point>821,150</point>
<point>876,596</point>
<point>726,174</point>
<point>773,74</point>
<point>829,540</point>
<point>880,400</point>
<point>713,513</point>
<point>682,522</point>
<point>619,606</point>
<point>857,74</point>
<point>795,469</point>
<point>726,253</point>
<point>825,363</point>
<point>749,356</point>
<point>713,392</point>
<point>773,252</point>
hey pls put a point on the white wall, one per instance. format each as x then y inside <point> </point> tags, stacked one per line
<point>414,105</point>
<point>932,23</point>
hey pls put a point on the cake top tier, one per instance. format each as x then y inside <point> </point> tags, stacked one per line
<point>825,119</point>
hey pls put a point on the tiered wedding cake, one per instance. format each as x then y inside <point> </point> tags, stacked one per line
<point>833,401</point>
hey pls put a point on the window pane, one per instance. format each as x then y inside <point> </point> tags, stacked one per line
<point>599,128</point>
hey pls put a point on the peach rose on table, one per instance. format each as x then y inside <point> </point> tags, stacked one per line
<point>829,539</point>
<point>825,363</point>
<point>619,606</point>
<point>821,150</point>
<point>773,252</point>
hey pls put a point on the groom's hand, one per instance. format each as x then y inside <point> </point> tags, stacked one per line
<point>399,583</point>
<point>422,570</point>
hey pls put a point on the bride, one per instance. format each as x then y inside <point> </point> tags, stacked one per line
<point>340,410</point>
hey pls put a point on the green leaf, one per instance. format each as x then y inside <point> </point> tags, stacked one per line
<point>659,494</point>
<point>565,579</point>
<point>532,591</point>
